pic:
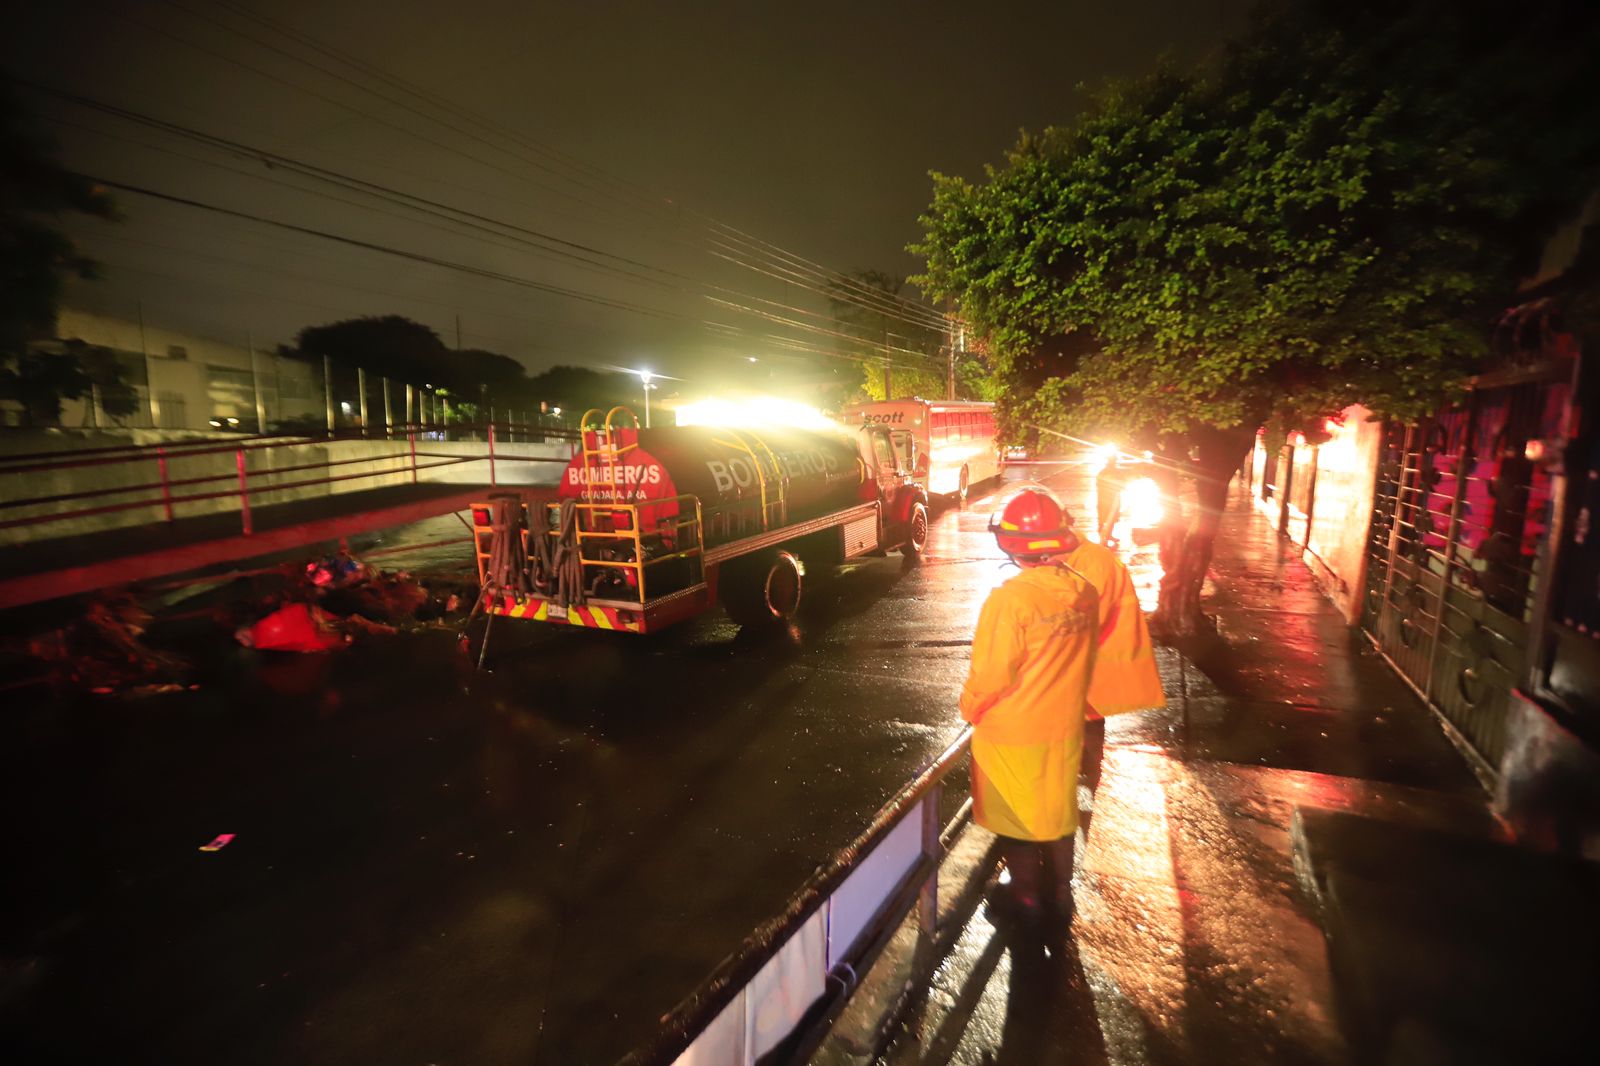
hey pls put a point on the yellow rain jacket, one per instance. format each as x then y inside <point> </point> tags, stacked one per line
<point>1025,695</point>
<point>1125,676</point>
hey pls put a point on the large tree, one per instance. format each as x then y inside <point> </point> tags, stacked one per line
<point>1330,214</point>
<point>36,258</point>
<point>408,351</point>
<point>36,262</point>
<point>576,389</point>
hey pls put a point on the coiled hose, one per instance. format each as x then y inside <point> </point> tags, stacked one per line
<point>557,563</point>
<point>507,569</point>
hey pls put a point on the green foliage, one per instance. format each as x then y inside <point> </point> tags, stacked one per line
<point>39,382</point>
<point>407,351</point>
<point>36,258</point>
<point>1331,215</point>
<point>576,389</point>
<point>917,366</point>
<point>106,377</point>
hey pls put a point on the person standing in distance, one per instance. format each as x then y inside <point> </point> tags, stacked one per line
<point>1026,694</point>
<point>1108,486</point>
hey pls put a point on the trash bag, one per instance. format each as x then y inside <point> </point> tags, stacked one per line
<point>298,627</point>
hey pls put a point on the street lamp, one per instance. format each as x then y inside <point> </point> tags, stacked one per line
<point>645,376</point>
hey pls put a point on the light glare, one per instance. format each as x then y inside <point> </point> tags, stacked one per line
<point>1141,503</point>
<point>756,412</point>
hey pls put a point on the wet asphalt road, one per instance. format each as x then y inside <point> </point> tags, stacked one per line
<point>532,872</point>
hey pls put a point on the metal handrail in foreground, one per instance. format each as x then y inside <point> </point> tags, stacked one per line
<point>829,932</point>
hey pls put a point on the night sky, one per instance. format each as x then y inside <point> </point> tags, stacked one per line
<point>617,133</point>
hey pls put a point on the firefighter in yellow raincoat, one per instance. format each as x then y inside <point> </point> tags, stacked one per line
<point>1034,667</point>
<point>1125,676</point>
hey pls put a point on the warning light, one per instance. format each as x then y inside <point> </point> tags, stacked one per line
<point>480,516</point>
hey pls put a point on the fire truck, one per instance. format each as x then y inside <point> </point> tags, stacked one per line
<point>654,526</point>
<point>955,438</point>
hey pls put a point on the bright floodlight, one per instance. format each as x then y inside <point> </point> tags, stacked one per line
<point>753,412</point>
<point>645,376</point>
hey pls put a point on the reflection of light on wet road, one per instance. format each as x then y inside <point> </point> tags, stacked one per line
<point>1195,921</point>
<point>1130,915</point>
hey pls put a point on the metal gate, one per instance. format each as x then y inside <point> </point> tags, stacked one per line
<point>1456,549</point>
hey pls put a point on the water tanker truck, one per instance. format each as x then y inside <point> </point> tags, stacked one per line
<point>653,526</point>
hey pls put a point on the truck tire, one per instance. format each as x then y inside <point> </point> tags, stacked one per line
<point>763,590</point>
<point>961,487</point>
<point>916,534</point>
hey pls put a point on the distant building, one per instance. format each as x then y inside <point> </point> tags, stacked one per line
<point>188,382</point>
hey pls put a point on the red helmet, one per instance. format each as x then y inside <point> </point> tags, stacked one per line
<point>1033,524</point>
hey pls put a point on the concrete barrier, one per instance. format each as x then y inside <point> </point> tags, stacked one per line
<point>278,473</point>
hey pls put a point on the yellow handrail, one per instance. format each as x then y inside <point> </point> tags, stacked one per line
<point>738,443</point>
<point>634,535</point>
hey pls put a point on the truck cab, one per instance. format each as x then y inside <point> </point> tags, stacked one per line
<point>897,469</point>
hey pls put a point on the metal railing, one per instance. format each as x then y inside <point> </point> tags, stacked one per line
<point>165,494</point>
<point>683,526</point>
<point>788,982</point>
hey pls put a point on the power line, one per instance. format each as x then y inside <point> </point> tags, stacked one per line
<point>435,261</point>
<point>538,241</point>
<point>841,285</point>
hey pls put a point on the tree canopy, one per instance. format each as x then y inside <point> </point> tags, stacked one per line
<point>578,388</point>
<point>1330,214</point>
<point>917,361</point>
<point>408,351</point>
<point>36,258</point>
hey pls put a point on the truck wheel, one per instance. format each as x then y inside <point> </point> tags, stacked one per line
<point>961,488</point>
<point>916,534</point>
<point>765,590</point>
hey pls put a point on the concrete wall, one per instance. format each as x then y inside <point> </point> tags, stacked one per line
<point>378,463</point>
<point>1330,510</point>
<point>184,380</point>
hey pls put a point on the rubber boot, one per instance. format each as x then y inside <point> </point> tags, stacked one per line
<point>1058,864</point>
<point>1025,861</point>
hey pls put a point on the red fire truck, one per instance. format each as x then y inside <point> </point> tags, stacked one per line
<point>654,526</point>
<point>956,438</point>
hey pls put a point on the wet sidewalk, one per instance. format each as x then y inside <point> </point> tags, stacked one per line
<point>1194,940</point>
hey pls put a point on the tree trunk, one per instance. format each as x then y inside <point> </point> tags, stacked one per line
<point>1188,544</point>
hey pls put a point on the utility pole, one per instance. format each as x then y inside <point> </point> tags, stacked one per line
<point>149,377</point>
<point>361,387</point>
<point>950,369</point>
<point>888,382</point>
<point>255,379</point>
<point>327,391</point>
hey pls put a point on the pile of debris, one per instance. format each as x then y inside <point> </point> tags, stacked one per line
<point>340,598</point>
<point>319,606</point>
<point>105,651</point>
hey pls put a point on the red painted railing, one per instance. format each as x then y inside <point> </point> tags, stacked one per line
<point>242,482</point>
